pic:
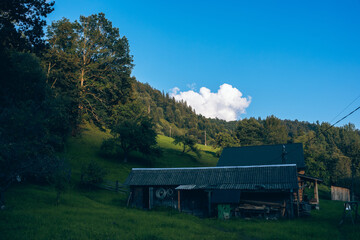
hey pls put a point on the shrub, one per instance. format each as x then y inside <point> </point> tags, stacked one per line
<point>108,148</point>
<point>92,173</point>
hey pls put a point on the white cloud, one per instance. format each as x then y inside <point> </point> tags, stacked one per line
<point>226,104</point>
<point>191,86</point>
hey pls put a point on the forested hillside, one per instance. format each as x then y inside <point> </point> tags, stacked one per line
<point>331,153</point>
<point>178,118</point>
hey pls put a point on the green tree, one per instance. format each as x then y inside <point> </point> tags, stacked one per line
<point>98,64</point>
<point>188,143</point>
<point>133,130</point>
<point>92,173</point>
<point>32,121</point>
<point>223,140</point>
<point>61,63</point>
<point>60,180</point>
<point>274,131</point>
<point>249,132</point>
<point>22,22</point>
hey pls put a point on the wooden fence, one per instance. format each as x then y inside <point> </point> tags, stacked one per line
<point>113,186</point>
<point>340,194</point>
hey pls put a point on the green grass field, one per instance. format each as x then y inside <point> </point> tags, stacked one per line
<point>31,212</point>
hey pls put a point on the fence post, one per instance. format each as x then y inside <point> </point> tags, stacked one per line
<point>117,185</point>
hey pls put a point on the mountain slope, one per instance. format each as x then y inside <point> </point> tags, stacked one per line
<point>100,214</point>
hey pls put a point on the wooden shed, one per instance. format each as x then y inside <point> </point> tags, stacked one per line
<point>273,155</point>
<point>200,191</point>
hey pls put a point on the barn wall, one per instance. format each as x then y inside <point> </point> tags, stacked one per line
<point>164,196</point>
<point>301,186</point>
<point>195,202</point>
<point>137,197</point>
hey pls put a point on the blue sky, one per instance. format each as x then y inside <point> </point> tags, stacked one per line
<point>295,59</point>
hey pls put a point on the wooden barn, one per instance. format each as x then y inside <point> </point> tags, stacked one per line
<point>209,191</point>
<point>274,155</point>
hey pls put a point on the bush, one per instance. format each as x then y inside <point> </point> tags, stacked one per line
<point>108,148</point>
<point>92,173</point>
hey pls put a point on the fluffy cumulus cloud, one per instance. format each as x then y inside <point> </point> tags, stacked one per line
<point>228,103</point>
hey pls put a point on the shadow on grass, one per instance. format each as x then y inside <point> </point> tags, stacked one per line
<point>211,153</point>
<point>134,157</point>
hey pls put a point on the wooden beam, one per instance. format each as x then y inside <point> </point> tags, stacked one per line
<point>291,204</point>
<point>316,192</point>
<point>298,204</point>
<point>276,204</point>
<point>209,198</point>
<point>179,207</point>
<point>151,197</point>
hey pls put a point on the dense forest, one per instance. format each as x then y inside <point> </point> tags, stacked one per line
<point>80,71</point>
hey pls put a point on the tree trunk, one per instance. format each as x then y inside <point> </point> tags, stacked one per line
<point>2,202</point>
<point>82,77</point>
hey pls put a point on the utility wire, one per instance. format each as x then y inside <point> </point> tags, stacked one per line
<point>346,116</point>
<point>335,123</point>
<point>329,127</point>
<point>344,109</point>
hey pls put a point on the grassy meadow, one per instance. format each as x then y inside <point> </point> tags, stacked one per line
<point>31,212</point>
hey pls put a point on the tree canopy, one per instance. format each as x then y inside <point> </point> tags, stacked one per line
<point>32,122</point>
<point>89,64</point>
<point>132,130</point>
<point>188,143</point>
<point>22,22</point>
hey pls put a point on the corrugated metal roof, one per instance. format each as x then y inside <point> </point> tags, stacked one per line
<point>263,155</point>
<point>247,177</point>
<point>186,187</point>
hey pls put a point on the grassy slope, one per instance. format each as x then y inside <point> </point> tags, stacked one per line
<point>31,213</point>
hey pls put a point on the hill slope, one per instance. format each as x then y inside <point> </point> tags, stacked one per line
<point>100,214</point>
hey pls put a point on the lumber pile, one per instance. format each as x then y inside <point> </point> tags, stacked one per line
<point>251,208</point>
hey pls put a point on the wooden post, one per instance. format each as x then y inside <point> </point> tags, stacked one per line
<point>179,207</point>
<point>291,204</point>
<point>129,198</point>
<point>316,192</point>
<point>151,197</point>
<point>298,204</point>
<point>209,206</point>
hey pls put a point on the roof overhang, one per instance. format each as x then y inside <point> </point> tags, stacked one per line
<point>310,178</point>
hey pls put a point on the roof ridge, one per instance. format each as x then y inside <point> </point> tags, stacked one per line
<point>266,145</point>
<point>190,168</point>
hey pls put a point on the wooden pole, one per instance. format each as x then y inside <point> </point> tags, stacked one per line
<point>179,207</point>
<point>291,204</point>
<point>205,137</point>
<point>129,198</point>
<point>316,192</point>
<point>209,206</point>
<point>298,204</point>
<point>151,198</point>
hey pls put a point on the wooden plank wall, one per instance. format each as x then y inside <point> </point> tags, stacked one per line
<point>340,194</point>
